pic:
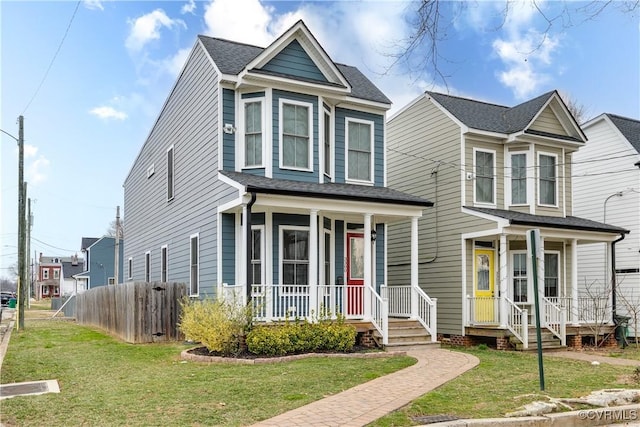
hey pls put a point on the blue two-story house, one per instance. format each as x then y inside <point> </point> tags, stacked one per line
<point>99,262</point>
<point>263,179</point>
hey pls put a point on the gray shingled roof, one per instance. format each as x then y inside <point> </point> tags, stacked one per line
<point>88,241</point>
<point>569,222</point>
<point>630,128</point>
<point>491,117</point>
<point>362,193</point>
<point>69,270</point>
<point>232,57</point>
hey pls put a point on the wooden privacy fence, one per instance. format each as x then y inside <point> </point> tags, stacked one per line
<point>135,312</point>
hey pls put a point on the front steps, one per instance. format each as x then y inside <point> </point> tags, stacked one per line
<point>406,334</point>
<point>549,341</point>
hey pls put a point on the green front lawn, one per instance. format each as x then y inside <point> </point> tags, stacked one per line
<point>106,382</point>
<point>506,380</point>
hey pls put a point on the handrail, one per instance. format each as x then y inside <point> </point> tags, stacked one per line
<point>379,314</point>
<point>554,320</point>
<point>427,312</point>
<point>518,322</point>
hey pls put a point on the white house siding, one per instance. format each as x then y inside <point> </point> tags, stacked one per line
<point>188,121</point>
<point>411,160</point>
<point>593,183</point>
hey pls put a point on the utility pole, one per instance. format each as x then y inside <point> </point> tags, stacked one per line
<point>116,260</point>
<point>22,193</point>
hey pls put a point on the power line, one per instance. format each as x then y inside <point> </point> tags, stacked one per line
<point>55,55</point>
<point>54,247</point>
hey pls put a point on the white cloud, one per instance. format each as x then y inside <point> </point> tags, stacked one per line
<point>35,172</point>
<point>30,151</point>
<point>246,21</point>
<point>147,28</point>
<point>174,64</point>
<point>188,7</point>
<point>94,4</point>
<point>106,113</point>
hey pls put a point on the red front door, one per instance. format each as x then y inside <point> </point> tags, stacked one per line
<point>355,274</point>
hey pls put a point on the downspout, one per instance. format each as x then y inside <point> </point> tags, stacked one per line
<point>613,275</point>
<point>247,224</point>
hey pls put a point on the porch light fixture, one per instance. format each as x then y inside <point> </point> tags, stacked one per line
<point>373,235</point>
<point>228,128</point>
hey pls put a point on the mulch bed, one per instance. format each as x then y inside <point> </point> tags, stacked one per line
<point>202,354</point>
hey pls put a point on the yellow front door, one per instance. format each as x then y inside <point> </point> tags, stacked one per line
<point>483,285</point>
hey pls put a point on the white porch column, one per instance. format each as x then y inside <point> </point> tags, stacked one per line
<point>414,267</point>
<point>313,262</point>
<point>574,282</point>
<point>541,284</point>
<point>367,266</point>
<point>503,255</point>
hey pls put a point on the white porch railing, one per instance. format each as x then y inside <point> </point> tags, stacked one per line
<point>483,310</point>
<point>592,310</point>
<point>518,322</point>
<point>413,302</point>
<point>379,314</point>
<point>554,318</point>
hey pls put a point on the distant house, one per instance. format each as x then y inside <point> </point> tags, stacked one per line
<point>264,178</point>
<point>71,268</point>
<point>606,188</point>
<point>494,172</point>
<point>99,266</point>
<point>49,277</point>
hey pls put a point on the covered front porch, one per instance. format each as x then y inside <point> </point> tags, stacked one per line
<point>499,289</point>
<point>318,253</point>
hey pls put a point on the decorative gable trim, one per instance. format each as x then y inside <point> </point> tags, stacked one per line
<point>308,42</point>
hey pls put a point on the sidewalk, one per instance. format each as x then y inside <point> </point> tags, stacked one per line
<point>367,402</point>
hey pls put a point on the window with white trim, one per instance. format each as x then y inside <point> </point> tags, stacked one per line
<point>164,259</point>
<point>253,133</point>
<point>130,267</point>
<point>519,276</point>
<point>327,142</point>
<point>147,267</point>
<point>56,273</point>
<point>194,273</point>
<point>294,259</point>
<point>45,274</point>
<point>295,135</point>
<point>551,274</point>
<point>485,187</point>
<point>170,173</point>
<point>547,189</point>
<point>359,150</point>
<point>518,179</point>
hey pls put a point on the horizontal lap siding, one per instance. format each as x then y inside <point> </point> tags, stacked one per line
<point>294,61</point>
<point>422,140</point>
<point>548,122</point>
<point>188,121</point>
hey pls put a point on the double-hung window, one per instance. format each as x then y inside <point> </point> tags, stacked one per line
<point>295,135</point>
<point>170,173</point>
<point>548,180</point>
<point>359,150</point>
<point>194,257</point>
<point>485,188</point>
<point>253,133</point>
<point>45,274</point>
<point>295,259</point>
<point>327,143</point>
<point>56,274</point>
<point>551,274</point>
<point>519,274</point>
<point>519,179</point>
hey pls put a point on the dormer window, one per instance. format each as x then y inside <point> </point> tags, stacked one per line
<point>295,135</point>
<point>547,192</point>
<point>485,188</point>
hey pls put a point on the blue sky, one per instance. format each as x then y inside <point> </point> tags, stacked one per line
<point>86,121</point>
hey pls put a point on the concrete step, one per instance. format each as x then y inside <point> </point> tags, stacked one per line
<point>406,334</point>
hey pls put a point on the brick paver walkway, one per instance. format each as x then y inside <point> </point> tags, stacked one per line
<point>367,402</point>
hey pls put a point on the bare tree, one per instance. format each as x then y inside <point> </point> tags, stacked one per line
<point>577,109</point>
<point>432,22</point>
<point>630,301</point>
<point>111,231</point>
<point>594,310</point>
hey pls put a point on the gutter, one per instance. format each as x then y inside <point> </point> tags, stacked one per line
<point>247,224</point>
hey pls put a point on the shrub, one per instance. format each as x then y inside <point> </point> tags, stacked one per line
<point>218,325</point>
<point>301,337</point>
